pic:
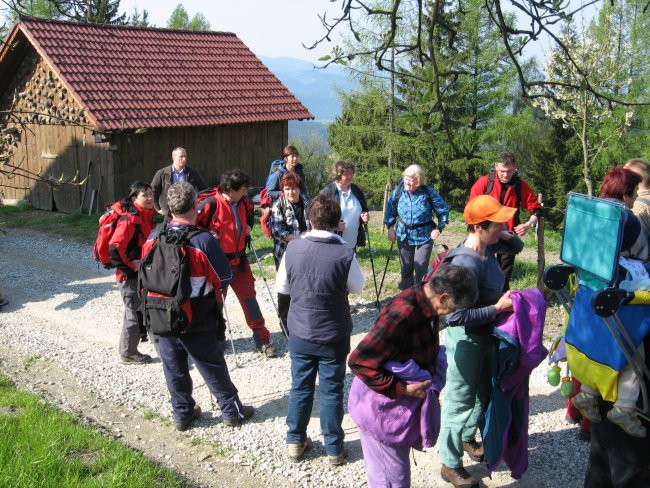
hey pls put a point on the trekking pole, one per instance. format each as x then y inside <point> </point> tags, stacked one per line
<point>283,326</point>
<point>381,285</point>
<point>372,264</point>
<point>225,313</point>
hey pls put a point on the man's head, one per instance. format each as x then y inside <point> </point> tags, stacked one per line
<point>506,167</point>
<point>290,155</point>
<point>179,158</point>
<point>181,199</point>
<point>324,213</point>
<point>642,168</point>
<point>234,184</point>
<point>450,288</point>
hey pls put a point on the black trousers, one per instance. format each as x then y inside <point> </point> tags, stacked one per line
<point>507,265</point>
<point>617,460</point>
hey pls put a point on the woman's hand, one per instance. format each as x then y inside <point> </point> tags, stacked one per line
<point>341,226</point>
<point>504,304</point>
<point>392,235</point>
<point>365,217</point>
<point>291,237</point>
<point>248,230</point>
<point>435,233</point>
<point>417,389</point>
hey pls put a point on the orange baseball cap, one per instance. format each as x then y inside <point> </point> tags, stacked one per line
<point>485,207</point>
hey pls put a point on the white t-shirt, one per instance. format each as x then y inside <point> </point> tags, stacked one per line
<point>350,212</point>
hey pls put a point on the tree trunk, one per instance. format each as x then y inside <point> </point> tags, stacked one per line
<point>586,170</point>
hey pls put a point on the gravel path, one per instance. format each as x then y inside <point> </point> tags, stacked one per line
<point>60,335</point>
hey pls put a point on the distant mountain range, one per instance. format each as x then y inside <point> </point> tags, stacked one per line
<point>315,88</point>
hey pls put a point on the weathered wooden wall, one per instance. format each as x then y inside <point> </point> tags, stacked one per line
<point>55,140</point>
<point>210,150</point>
<point>60,152</point>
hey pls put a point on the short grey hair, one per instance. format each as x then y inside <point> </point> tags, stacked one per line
<point>416,172</point>
<point>181,198</point>
<point>458,282</point>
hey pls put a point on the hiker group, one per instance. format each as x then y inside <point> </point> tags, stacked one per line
<point>174,279</point>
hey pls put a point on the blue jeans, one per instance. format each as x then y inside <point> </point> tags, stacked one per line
<point>331,372</point>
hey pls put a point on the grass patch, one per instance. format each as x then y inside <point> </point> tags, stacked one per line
<point>524,275</point>
<point>77,225</point>
<point>42,446</point>
<point>30,361</point>
<point>151,415</point>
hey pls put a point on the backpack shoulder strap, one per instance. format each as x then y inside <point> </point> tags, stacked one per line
<point>398,193</point>
<point>518,189</point>
<point>490,183</point>
<point>428,190</point>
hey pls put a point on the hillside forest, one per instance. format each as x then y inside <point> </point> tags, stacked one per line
<point>450,84</point>
<point>439,87</point>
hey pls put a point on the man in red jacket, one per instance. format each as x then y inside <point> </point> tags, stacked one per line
<point>504,184</point>
<point>229,216</point>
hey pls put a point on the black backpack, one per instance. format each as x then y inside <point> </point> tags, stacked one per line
<point>164,281</point>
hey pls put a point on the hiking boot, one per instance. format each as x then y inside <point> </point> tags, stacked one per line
<point>627,420</point>
<point>474,450</point>
<point>184,424</point>
<point>584,436</point>
<point>247,412</point>
<point>136,358</point>
<point>338,459</point>
<point>267,350</point>
<point>588,406</point>
<point>458,477</point>
<point>296,452</point>
<point>572,420</point>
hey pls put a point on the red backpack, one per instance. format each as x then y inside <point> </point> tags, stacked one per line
<point>265,220</point>
<point>107,224</point>
<point>438,258</point>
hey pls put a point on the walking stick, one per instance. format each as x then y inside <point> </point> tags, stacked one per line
<point>381,285</point>
<point>283,326</point>
<point>225,313</point>
<point>372,264</point>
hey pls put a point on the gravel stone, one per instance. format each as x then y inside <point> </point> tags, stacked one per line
<point>65,316</point>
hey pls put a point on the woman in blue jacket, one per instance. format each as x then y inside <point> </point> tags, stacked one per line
<point>409,218</point>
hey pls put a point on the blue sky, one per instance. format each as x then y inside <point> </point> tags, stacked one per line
<point>272,28</point>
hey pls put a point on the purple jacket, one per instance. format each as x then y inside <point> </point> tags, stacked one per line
<point>404,421</point>
<point>520,350</point>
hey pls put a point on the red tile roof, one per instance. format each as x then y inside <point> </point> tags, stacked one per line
<point>136,77</point>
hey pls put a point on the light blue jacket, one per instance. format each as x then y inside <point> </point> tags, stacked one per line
<point>416,209</point>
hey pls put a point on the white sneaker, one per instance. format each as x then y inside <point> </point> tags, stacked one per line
<point>627,420</point>
<point>588,406</point>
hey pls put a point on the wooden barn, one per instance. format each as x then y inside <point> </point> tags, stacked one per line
<point>112,102</point>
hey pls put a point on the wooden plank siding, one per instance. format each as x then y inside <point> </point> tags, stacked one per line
<point>210,150</point>
<point>53,151</point>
